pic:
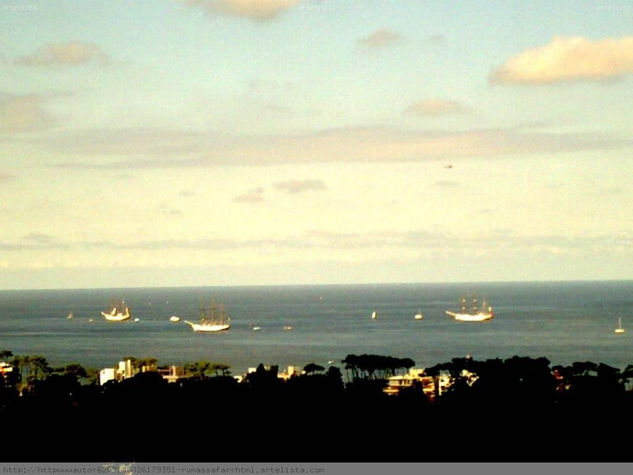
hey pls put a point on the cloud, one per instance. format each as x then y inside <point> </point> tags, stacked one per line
<point>5,177</point>
<point>64,54</point>
<point>380,39</point>
<point>34,241</point>
<point>135,140</point>
<point>39,238</point>
<point>435,108</point>
<point>447,184</point>
<point>23,114</point>
<point>254,9</point>
<point>166,148</point>
<point>422,240</point>
<point>568,59</point>
<point>300,186</point>
<point>254,195</point>
<point>166,210</point>
<point>437,39</point>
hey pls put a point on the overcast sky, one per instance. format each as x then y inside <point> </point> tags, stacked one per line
<point>241,142</point>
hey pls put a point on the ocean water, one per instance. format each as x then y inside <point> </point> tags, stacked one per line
<point>562,321</point>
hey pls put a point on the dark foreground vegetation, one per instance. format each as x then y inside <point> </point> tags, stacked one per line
<point>519,409</point>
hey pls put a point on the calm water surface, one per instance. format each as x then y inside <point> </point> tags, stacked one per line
<point>564,322</point>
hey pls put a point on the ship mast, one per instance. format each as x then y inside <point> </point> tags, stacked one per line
<point>212,311</point>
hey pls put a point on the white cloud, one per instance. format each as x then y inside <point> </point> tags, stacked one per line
<point>253,9</point>
<point>380,39</point>
<point>38,238</point>
<point>568,59</point>
<point>5,177</point>
<point>64,54</point>
<point>23,114</point>
<point>299,186</point>
<point>165,148</point>
<point>254,195</point>
<point>435,108</point>
<point>447,184</point>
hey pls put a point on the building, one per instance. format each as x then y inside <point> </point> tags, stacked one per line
<point>126,369</point>
<point>415,376</point>
<point>5,368</point>
<point>427,383</point>
<point>289,372</point>
<point>171,373</point>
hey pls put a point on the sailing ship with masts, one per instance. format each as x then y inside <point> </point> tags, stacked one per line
<point>212,319</point>
<point>118,311</point>
<point>472,309</point>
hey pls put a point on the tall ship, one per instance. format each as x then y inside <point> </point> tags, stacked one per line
<point>472,309</point>
<point>118,311</point>
<point>212,319</point>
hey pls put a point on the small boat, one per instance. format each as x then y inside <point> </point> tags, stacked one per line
<point>418,316</point>
<point>256,329</point>
<point>619,330</point>
<point>137,319</point>
<point>288,328</point>
<point>70,316</point>
<point>374,315</point>
<point>118,312</point>
<point>472,310</point>
<point>174,319</point>
<point>211,321</point>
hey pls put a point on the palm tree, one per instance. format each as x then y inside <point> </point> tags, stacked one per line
<point>199,368</point>
<point>75,369</point>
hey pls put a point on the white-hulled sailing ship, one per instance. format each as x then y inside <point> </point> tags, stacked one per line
<point>619,329</point>
<point>472,310</point>
<point>118,312</point>
<point>212,320</point>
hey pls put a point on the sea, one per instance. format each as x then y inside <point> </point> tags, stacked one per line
<point>564,322</point>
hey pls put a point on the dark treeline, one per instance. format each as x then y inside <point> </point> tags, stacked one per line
<point>519,409</point>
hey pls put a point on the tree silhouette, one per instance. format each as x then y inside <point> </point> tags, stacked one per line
<point>199,368</point>
<point>312,368</point>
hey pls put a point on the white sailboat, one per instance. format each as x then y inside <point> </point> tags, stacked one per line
<point>471,310</point>
<point>619,330</point>
<point>374,315</point>
<point>418,316</point>
<point>211,321</point>
<point>118,312</point>
<point>70,316</point>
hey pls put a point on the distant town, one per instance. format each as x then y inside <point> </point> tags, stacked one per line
<point>376,408</point>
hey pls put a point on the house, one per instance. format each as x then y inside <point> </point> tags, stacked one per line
<point>416,376</point>
<point>126,369</point>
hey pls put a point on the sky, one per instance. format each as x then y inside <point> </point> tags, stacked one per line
<point>279,142</point>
